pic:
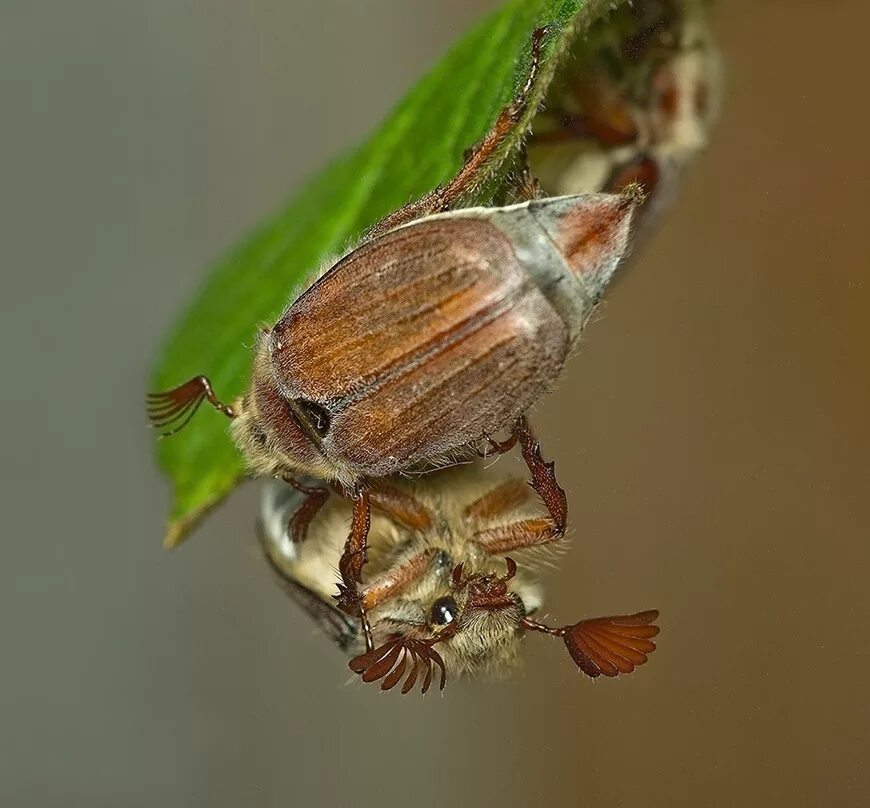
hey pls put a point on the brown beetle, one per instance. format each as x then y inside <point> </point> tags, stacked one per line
<point>440,594</point>
<point>441,329</point>
<point>639,111</point>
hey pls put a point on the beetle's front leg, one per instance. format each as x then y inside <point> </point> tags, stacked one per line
<point>352,561</point>
<point>353,558</point>
<point>530,532</point>
<point>476,159</point>
<point>402,508</point>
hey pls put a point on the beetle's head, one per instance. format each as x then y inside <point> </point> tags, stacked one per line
<point>477,625</point>
<point>469,624</point>
<point>488,611</point>
<point>276,435</point>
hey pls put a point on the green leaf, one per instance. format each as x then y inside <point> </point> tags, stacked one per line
<point>419,146</point>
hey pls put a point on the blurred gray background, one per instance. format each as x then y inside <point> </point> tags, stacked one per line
<point>713,436</point>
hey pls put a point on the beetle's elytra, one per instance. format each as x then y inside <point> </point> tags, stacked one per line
<point>421,342</point>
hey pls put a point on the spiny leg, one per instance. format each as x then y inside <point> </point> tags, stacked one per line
<point>529,532</point>
<point>396,579</point>
<point>543,480</point>
<point>315,499</point>
<point>498,447</point>
<point>447,197</point>
<point>402,507</point>
<point>479,154</point>
<point>352,561</point>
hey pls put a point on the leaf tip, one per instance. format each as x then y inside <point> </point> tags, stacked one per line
<point>178,528</point>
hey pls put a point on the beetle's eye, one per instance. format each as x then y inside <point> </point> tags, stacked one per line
<point>443,611</point>
<point>259,436</point>
<point>317,416</point>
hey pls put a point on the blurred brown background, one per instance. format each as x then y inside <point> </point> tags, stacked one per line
<point>713,436</point>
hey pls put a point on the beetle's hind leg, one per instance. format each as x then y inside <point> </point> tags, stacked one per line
<point>530,532</point>
<point>476,159</point>
<point>543,479</point>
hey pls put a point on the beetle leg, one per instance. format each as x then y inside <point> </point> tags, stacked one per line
<point>608,120</point>
<point>352,561</point>
<point>543,480</point>
<point>525,185</point>
<point>448,196</point>
<point>400,507</point>
<point>396,579</point>
<point>498,447</point>
<point>315,499</point>
<point>353,558</point>
<point>501,500</point>
<point>529,532</point>
<point>517,535</point>
<point>478,156</point>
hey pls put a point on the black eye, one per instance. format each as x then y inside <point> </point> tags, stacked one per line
<point>259,436</point>
<point>316,415</point>
<point>443,611</point>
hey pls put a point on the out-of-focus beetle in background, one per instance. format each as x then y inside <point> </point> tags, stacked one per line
<point>640,110</point>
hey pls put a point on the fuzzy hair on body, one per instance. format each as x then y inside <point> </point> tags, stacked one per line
<point>485,640</point>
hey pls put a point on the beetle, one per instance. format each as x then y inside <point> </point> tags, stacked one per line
<point>441,594</point>
<point>640,111</point>
<point>439,330</point>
